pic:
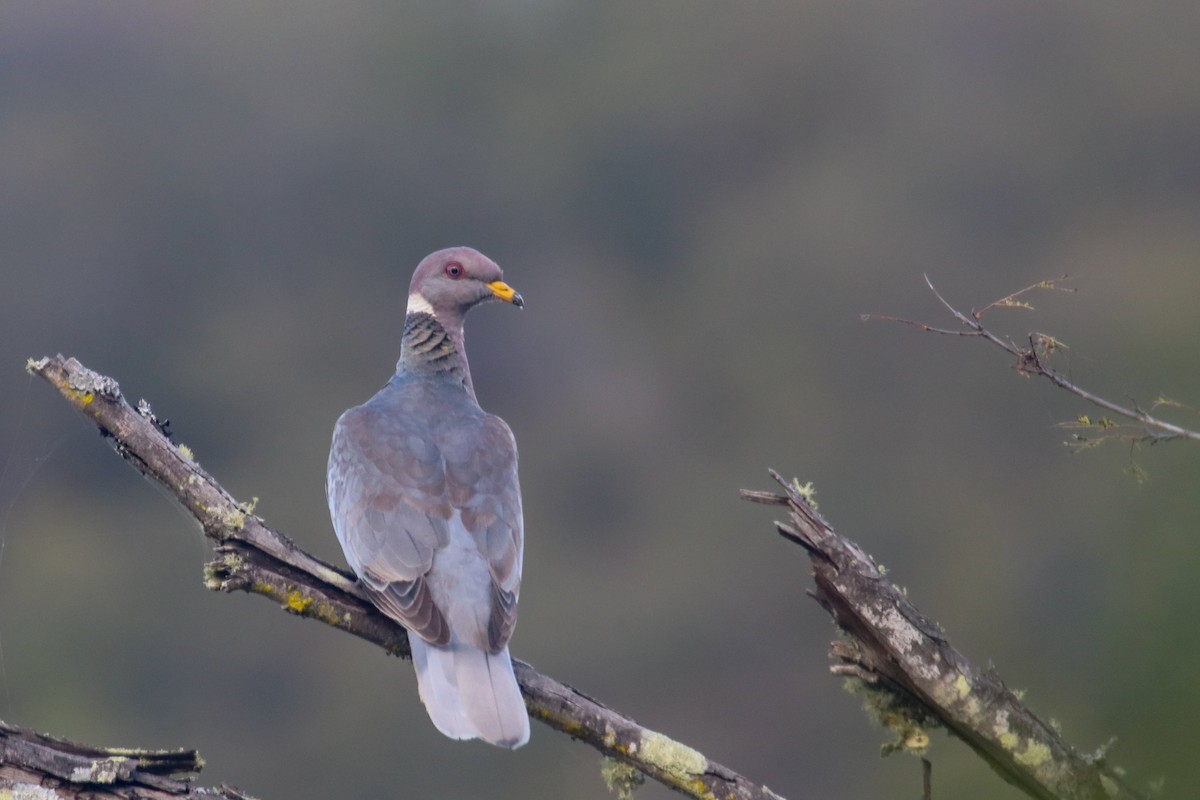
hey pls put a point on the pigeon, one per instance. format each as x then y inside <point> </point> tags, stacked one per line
<point>423,493</point>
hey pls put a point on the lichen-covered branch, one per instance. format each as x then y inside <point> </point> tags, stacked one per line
<point>36,766</point>
<point>915,678</point>
<point>251,557</point>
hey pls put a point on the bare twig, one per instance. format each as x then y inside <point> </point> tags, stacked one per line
<point>253,558</point>
<point>914,679</point>
<point>1031,359</point>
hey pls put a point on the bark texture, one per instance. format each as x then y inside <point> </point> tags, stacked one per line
<point>915,679</point>
<point>38,767</point>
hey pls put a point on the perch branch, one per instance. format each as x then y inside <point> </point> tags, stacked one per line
<point>1031,360</point>
<point>33,765</point>
<point>910,671</point>
<point>253,558</point>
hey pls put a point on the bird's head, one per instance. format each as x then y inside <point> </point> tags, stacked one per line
<point>450,282</point>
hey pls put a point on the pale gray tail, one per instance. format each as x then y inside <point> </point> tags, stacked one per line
<point>471,694</point>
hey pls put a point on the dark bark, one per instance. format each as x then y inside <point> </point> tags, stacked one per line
<point>36,766</point>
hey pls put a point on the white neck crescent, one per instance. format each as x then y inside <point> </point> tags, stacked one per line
<point>417,304</point>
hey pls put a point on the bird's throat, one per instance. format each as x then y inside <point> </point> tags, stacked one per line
<point>428,348</point>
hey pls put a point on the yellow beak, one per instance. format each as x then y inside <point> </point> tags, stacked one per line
<point>506,293</point>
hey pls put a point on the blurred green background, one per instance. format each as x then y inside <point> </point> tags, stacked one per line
<point>220,204</point>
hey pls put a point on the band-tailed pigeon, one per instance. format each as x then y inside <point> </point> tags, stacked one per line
<point>423,491</point>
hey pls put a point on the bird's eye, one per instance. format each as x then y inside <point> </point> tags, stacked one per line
<point>454,270</point>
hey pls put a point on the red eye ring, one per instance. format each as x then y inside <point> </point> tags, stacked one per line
<point>454,270</point>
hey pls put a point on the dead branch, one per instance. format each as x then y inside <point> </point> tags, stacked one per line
<point>915,679</point>
<point>33,765</point>
<point>253,558</point>
<point>1031,360</point>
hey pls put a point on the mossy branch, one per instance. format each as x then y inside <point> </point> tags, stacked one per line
<point>250,557</point>
<point>914,679</point>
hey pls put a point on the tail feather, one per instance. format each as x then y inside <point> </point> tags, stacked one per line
<point>470,693</point>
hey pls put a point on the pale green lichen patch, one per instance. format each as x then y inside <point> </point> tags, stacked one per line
<point>213,577</point>
<point>216,573</point>
<point>102,771</point>
<point>234,519</point>
<point>902,635</point>
<point>233,562</point>
<point>327,613</point>
<point>908,723</point>
<point>621,778</point>
<point>962,686</point>
<point>909,736</point>
<point>916,741</point>
<point>28,791</point>
<point>187,453</point>
<point>1034,755</point>
<point>807,491</point>
<point>670,755</point>
<point>610,736</point>
<point>33,365</point>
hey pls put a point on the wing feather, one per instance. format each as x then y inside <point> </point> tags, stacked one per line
<point>394,485</point>
<point>500,528</point>
<point>388,505</point>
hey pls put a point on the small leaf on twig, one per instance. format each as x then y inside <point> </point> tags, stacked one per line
<point>1033,361</point>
